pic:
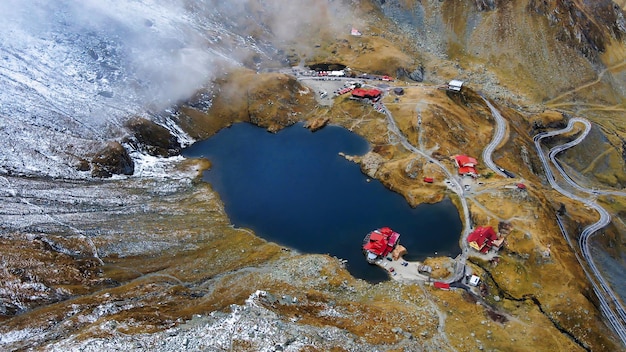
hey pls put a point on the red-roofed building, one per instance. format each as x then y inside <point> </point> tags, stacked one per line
<point>484,238</point>
<point>465,161</point>
<point>363,93</point>
<point>379,243</point>
<point>469,171</point>
<point>466,165</point>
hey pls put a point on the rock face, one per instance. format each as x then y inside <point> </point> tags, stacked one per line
<point>152,138</point>
<point>486,5</point>
<point>370,163</point>
<point>112,160</point>
<point>416,74</point>
<point>588,26</point>
<point>317,123</point>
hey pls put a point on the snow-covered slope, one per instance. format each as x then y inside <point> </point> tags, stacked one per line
<point>72,72</point>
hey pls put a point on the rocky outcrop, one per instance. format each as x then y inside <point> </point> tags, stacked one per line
<point>152,138</point>
<point>371,162</point>
<point>43,269</point>
<point>587,26</point>
<point>112,160</point>
<point>486,5</point>
<point>548,119</point>
<point>317,123</point>
<point>417,74</point>
<point>269,100</point>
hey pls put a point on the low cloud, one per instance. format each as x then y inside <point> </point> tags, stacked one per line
<point>76,70</point>
<point>157,53</point>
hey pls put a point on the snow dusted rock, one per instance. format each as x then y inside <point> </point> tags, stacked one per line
<point>152,138</point>
<point>249,327</point>
<point>73,73</point>
<point>113,159</point>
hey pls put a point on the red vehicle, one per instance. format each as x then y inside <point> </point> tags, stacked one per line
<point>345,90</point>
<point>442,285</point>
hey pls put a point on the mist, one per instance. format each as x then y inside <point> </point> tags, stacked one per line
<point>154,53</point>
<point>75,71</point>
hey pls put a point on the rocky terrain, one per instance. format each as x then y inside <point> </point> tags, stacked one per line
<point>110,240</point>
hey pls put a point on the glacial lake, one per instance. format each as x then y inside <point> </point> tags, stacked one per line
<point>294,189</point>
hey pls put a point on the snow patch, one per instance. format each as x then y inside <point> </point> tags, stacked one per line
<point>156,167</point>
<point>9,337</point>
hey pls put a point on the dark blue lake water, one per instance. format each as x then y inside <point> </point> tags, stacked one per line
<point>294,189</point>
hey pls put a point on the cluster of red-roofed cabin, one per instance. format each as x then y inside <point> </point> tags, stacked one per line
<point>466,165</point>
<point>371,94</point>
<point>483,239</point>
<point>379,243</point>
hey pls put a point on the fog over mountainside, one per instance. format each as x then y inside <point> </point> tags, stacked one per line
<point>73,72</point>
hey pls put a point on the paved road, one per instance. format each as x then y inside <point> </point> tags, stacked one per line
<point>610,304</point>
<point>452,181</point>
<point>498,135</point>
<point>454,184</point>
<point>556,150</point>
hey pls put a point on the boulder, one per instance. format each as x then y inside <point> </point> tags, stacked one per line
<point>416,74</point>
<point>398,252</point>
<point>113,159</point>
<point>317,123</point>
<point>370,163</point>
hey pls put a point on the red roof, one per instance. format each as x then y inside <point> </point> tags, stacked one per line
<point>428,179</point>
<point>467,170</point>
<point>521,186</point>
<point>465,161</point>
<point>480,239</point>
<point>366,93</point>
<point>377,244</point>
<point>442,285</point>
<point>386,231</point>
<point>393,239</point>
<point>382,241</point>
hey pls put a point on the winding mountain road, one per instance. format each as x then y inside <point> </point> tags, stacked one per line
<point>610,304</point>
<point>497,138</point>
<point>556,150</point>
<point>454,184</point>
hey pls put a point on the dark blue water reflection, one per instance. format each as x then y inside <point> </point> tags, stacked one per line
<point>294,189</point>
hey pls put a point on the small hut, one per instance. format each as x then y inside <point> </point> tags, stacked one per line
<point>455,85</point>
